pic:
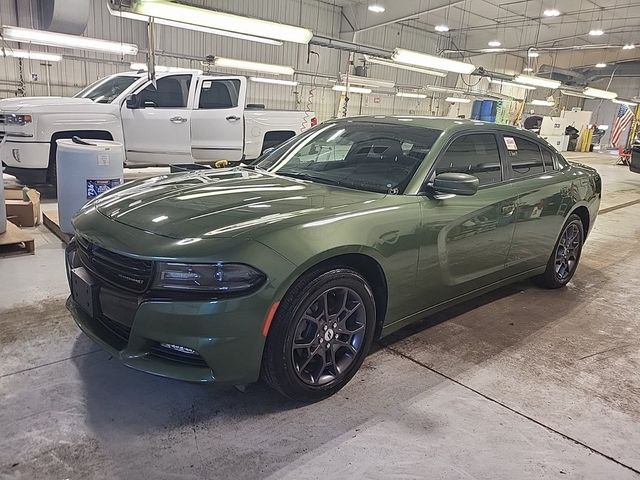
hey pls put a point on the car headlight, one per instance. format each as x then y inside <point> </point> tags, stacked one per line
<point>15,119</point>
<point>216,278</point>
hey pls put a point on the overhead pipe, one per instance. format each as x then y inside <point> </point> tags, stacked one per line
<point>329,42</point>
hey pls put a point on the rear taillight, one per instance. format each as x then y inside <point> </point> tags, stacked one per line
<point>314,121</point>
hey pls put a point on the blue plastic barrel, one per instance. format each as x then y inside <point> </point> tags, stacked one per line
<point>475,109</point>
<point>488,111</point>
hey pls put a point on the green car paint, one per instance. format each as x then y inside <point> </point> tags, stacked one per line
<point>420,251</point>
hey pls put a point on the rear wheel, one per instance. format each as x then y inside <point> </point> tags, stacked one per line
<point>321,334</point>
<point>565,257</point>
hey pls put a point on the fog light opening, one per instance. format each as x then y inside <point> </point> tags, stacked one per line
<point>16,154</point>
<point>179,348</point>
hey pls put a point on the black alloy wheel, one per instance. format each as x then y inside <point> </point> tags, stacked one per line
<point>564,260</point>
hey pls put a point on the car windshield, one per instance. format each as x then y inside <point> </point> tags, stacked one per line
<point>107,89</point>
<point>377,157</point>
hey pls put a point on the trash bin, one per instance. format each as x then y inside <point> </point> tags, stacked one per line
<point>86,168</point>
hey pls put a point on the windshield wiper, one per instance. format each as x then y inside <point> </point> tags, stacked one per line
<point>310,178</point>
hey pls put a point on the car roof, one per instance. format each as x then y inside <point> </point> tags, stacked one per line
<point>438,123</point>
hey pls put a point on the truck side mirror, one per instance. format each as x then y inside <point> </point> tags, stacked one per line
<point>134,101</point>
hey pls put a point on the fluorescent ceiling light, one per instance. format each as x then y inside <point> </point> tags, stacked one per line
<point>441,28</point>
<point>507,83</point>
<point>624,102</point>
<point>493,50</point>
<point>17,53</point>
<point>542,103</point>
<point>275,81</point>
<point>494,43</point>
<point>597,93</point>
<point>457,100</point>
<point>601,65</point>
<point>62,40</point>
<point>162,68</point>
<point>628,46</point>
<point>596,32</point>
<point>551,12</point>
<point>189,26</point>
<point>573,93</point>
<point>366,81</point>
<point>252,66</point>
<point>533,54</point>
<point>527,69</point>
<point>537,81</point>
<point>410,95</point>
<point>376,8</point>
<point>603,127</point>
<point>343,88</point>
<point>389,63</point>
<point>222,21</point>
<point>409,57</point>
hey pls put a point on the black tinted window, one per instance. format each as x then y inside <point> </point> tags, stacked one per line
<point>476,155</point>
<point>219,94</point>
<point>170,92</point>
<point>526,158</point>
<point>366,156</point>
<point>547,158</point>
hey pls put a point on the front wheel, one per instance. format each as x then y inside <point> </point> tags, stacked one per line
<point>565,257</point>
<point>321,334</point>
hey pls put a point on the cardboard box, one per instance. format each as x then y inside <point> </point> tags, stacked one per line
<point>23,214</point>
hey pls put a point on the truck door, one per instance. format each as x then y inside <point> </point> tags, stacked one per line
<point>158,132</point>
<point>217,119</point>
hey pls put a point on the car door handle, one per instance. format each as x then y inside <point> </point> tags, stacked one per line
<point>177,119</point>
<point>508,209</point>
<point>233,118</point>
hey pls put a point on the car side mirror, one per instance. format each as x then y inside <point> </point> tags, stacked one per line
<point>456,183</point>
<point>134,101</point>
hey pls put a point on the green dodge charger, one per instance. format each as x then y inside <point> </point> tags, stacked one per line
<point>287,270</point>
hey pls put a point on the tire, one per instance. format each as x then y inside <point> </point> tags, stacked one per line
<point>309,356</point>
<point>564,259</point>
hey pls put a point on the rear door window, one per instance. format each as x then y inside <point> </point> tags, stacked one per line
<point>525,157</point>
<point>219,94</point>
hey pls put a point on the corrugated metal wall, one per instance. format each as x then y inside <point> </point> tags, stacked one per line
<point>186,48</point>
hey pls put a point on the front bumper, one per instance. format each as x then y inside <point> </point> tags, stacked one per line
<point>224,334</point>
<point>25,154</point>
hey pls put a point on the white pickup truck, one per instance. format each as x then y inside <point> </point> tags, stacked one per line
<point>187,117</point>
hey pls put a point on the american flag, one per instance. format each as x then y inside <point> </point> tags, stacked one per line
<point>622,121</point>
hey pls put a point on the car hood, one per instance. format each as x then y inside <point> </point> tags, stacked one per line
<point>222,203</point>
<point>30,103</point>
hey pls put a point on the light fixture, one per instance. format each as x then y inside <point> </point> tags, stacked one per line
<point>629,103</point>
<point>493,50</point>
<point>343,88</point>
<point>62,40</point>
<point>189,26</point>
<point>275,81</point>
<point>542,103</point>
<point>551,12</point>
<point>410,95</point>
<point>223,21</point>
<point>603,127</point>
<point>596,32</point>
<point>537,81</point>
<point>441,28</point>
<point>574,93</point>
<point>28,54</point>
<point>597,93</point>
<point>533,54</point>
<point>409,57</point>
<point>494,43</point>
<point>252,66</point>
<point>628,46</point>
<point>376,8</point>
<point>162,68</point>
<point>507,83</point>
<point>366,81</point>
<point>527,69</point>
<point>601,65</point>
<point>457,100</point>
<point>389,63</point>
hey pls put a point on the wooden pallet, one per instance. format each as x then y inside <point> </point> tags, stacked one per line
<point>51,221</point>
<point>16,242</point>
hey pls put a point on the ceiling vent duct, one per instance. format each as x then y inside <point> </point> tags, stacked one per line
<point>63,16</point>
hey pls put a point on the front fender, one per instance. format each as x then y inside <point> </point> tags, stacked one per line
<point>52,123</point>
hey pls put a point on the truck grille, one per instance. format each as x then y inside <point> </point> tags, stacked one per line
<point>122,271</point>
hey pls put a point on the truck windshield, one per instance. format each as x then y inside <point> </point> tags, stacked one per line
<point>372,156</point>
<point>107,89</point>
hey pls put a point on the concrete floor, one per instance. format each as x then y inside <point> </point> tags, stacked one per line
<point>521,383</point>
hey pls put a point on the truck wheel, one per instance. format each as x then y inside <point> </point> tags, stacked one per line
<point>52,172</point>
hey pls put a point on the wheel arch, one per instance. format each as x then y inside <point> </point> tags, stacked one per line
<point>583,212</point>
<point>94,134</point>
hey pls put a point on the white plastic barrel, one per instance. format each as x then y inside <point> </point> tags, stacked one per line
<point>3,208</point>
<point>85,169</point>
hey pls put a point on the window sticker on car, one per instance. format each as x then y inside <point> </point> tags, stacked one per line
<point>206,85</point>
<point>510,143</point>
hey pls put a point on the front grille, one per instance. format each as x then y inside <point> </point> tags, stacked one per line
<point>2,119</point>
<point>122,271</point>
<point>120,333</point>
